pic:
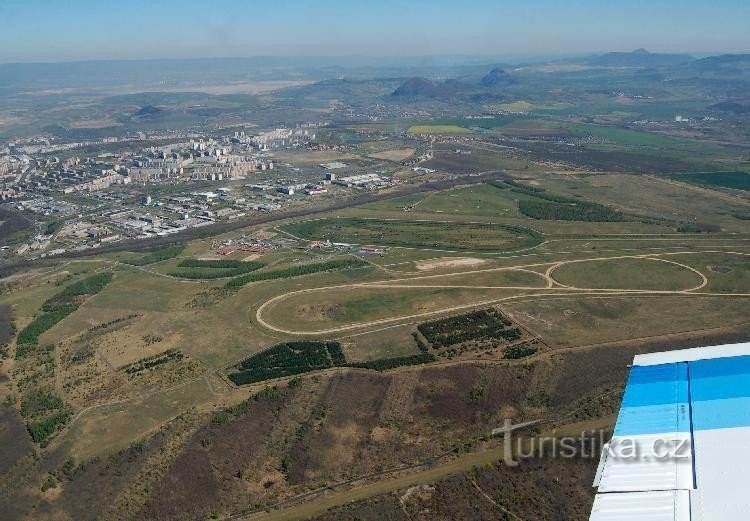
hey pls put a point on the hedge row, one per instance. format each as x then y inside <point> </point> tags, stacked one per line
<point>296,271</point>
<point>153,361</point>
<point>214,269</point>
<point>391,363</point>
<point>517,352</point>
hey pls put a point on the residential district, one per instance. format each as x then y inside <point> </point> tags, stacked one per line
<point>83,195</point>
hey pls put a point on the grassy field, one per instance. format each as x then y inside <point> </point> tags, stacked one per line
<point>622,136</point>
<point>422,234</point>
<point>482,278</point>
<point>571,321</point>
<point>337,307</point>
<point>726,273</point>
<point>110,428</point>
<point>439,129</point>
<point>483,200</point>
<point>385,343</point>
<point>655,197</point>
<point>648,274</point>
<point>666,204</point>
<point>397,154</point>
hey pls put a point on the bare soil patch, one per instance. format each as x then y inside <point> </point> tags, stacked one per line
<point>398,154</point>
<point>319,311</point>
<point>449,262</point>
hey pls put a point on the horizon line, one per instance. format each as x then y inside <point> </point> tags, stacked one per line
<point>540,56</point>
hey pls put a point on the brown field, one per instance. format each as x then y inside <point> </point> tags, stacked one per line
<point>538,490</point>
<point>15,442</point>
<point>398,154</point>
<point>95,123</point>
<point>569,321</point>
<point>340,426</point>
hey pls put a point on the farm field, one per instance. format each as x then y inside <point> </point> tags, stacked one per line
<point>398,154</point>
<point>662,273</point>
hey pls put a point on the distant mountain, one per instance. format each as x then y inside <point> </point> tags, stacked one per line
<point>415,87</point>
<point>726,63</point>
<point>639,58</point>
<point>497,77</point>
<point>148,112</point>
<point>736,107</point>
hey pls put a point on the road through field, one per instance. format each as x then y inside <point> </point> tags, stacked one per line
<point>553,288</point>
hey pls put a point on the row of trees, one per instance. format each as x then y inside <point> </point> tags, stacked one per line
<point>391,363</point>
<point>573,211</point>
<point>152,361</point>
<point>168,252</point>
<point>296,271</point>
<point>555,207</point>
<point>214,269</point>
<point>423,347</point>
<point>58,307</point>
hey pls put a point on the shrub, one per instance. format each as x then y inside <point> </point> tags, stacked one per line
<point>517,352</point>
<point>41,430</point>
<point>153,361</point>
<point>39,401</point>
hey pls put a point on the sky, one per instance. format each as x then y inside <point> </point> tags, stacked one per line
<point>69,30</point>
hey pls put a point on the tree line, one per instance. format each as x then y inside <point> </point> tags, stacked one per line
<point>58,307</point>
<point>296,271</point>
<point>214,269</point>
<point>292,358</point>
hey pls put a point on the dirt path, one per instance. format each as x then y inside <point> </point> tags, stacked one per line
<point>422,475</point>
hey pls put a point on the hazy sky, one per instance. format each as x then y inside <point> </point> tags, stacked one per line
<point>59,30</point>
